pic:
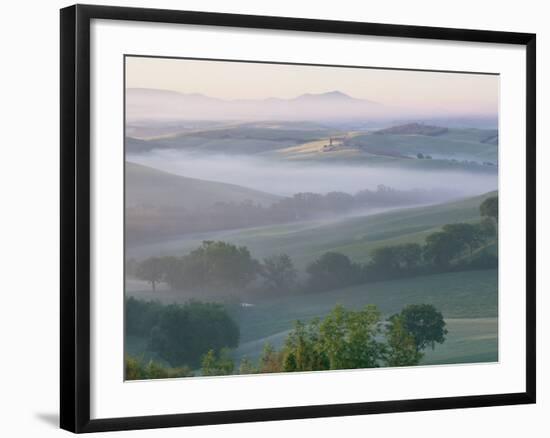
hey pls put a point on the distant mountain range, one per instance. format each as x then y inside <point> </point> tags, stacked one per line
<point>153,104</point>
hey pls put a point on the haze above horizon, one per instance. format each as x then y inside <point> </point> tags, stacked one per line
<point>426,92</point>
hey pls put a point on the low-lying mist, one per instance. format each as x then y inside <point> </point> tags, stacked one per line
<point>285,179</point>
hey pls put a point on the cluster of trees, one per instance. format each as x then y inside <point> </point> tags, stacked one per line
<point>137,369</point>
<point>300,206</point>
<point>473,163</point>
<point>181,333</point>
<point>452,248</point>
<point>421,156</point>
<point>345,339</point>
<point>303,206</point>
<point>360,339</point>
<point>217,265</point>
<point>333,270</point>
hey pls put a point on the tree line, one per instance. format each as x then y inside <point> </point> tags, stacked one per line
<point>300,206</point>
<point>222,266</point>
<point>217,265</point>
<point>344,339</point>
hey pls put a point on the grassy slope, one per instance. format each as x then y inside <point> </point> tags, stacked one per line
<point>355,236</point>
<point>460,296</point>
<point>471,294</point>
<point>294,142</point>
<point>352,156</point>
<point>468,301</point>
<point>457,143</point>
<point>468,341</point>
<point>243,139</point>
<point>148,186</point>
<point>393,150</point>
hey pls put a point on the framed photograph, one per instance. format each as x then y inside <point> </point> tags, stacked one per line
<point>270,218</point>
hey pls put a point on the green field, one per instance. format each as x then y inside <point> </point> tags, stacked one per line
<point>353,157</point>
<point>457,150</point>
<point>465,149</point>
<point>284,141</point>
<point>243,139</point>
<point>468,341</point>
<point>468,301</point>
<point>460,144</point>
<point>471,294</point>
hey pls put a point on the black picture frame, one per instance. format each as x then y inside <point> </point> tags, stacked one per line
<point>75,217</point>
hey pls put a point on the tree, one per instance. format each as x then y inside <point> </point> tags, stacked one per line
<point>217,364</point>
<point>410,255</point>
<point>384,260</point>
<point>424,322</point>
<point>271,360</point>
<point>217,264</point>
<point>247,367</point>
<point>136,369</point>
<point>350,338</point>
<point>184,333</point>
<point>141,316</point>
<point>333,270</point>
<point>420,155</point>
<point>303,350</point>
<point>279,272</point>
<point>347,339</point>
<point>344,339</point>
<point>172,269</point>
<point>467,234</point>
<point>388,260</point>
<point>401,348</point>
<point>150,270</point>
<point>441,248</point>
<point>489,208</point>
<point>338,202</point>
<point>487,229</point>
<point>131,266</point>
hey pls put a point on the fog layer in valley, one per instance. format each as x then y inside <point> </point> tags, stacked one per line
<point>285,179</point>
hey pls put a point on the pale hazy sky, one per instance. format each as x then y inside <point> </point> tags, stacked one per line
<point>462,93</point>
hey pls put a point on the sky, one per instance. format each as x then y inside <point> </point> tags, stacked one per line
<point>456,92</point>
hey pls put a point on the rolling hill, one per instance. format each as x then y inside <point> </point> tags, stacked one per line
<point>148,186</point>
<point>305,241</point>
<point>440,143</point>
<point>468,301</point>
<point>411,146</point>
<point>246,139</point>
<point>158,202</point>
<point>286,141</point>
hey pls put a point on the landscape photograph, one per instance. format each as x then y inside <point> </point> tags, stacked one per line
<point>306,218</point>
